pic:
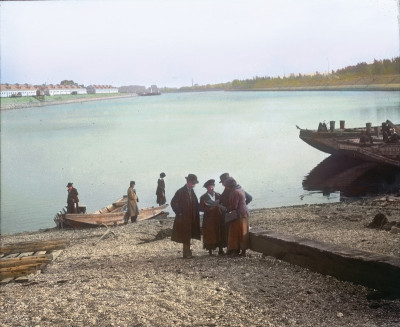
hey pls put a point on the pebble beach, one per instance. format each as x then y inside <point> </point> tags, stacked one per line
<point>134,275</point>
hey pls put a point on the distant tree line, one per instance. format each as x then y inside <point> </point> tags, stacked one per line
<point>385,71</point>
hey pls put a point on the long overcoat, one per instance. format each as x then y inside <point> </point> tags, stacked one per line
<point>213,222</point>
<point>187,218</point>
<point>133,209</point>
<point>160,192</point>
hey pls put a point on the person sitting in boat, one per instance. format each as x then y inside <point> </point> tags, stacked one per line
<point>72,199</point>
<point>133,199</point>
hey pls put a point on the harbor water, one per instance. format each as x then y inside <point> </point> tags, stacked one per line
<point>101,146</point>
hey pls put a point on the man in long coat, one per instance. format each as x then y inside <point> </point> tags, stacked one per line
<point>133,199</point>
<point>72,199</point>
<point>213,220</point>
<point>187,217</point>
<point>160,192</point>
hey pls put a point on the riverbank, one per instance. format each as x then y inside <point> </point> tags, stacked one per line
<point>136,276</point>
<point>31,102</point>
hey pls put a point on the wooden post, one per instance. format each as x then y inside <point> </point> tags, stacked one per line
<point>332,125</point>
<point>342,122</point>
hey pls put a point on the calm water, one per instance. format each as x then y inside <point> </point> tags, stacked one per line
<point>101,146</point>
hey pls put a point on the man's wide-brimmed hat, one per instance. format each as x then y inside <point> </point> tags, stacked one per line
<point>230,182</point>
<point>69,184</point>
<point>223,177</point>
<point>192,178</point>
<point>209,182</point>
<point>162,175</point>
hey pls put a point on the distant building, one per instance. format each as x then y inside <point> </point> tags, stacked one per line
<point>64,89</point>
<point>99,89</point>
<point>27,90</point>
<point>17,90</point>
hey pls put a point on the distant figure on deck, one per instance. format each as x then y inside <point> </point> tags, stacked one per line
<point>72,199</point>
<point>187,218</point>
<point>160,192</point>
<point>133,209</point>
<point>213,221</point>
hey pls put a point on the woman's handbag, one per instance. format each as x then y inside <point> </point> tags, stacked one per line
<point>231,216</point>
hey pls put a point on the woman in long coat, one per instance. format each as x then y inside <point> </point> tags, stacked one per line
<point>213,220</point>
<point>160,192</point>
<point>133,199</point>
<point>187,218</point>
<point>238,235</point>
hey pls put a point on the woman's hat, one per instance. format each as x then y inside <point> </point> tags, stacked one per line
<point>209,182</point>
<point>230,182</point>
<point>192,178</point>
<point>162,175</point>
<point>223,177</point>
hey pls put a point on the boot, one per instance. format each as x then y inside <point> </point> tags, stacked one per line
<point>221,251</point>
<point>243,253</point>
<point>134,219</point>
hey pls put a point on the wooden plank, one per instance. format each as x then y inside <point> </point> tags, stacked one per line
<point>6,280</point>
<point>25,254</point>
<point>40,252</point>
<point>13,255</point>
<point>373,270</point>
<point>33,246</point>
<point>13,262</point>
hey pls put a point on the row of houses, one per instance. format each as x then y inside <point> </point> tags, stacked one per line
<point>28,90</point>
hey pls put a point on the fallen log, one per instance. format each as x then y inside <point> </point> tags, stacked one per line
<point>14,262</point>
<point>33,246</point>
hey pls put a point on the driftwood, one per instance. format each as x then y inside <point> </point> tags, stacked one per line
<point>33,246</point>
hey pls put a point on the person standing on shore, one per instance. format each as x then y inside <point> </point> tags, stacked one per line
<point>160,192</point>
<point>72,199</point>
<point>133,209</point>
<point>238,234</point>
<point>225,193</point>
<point>187,218</point>
<point>213,220</point>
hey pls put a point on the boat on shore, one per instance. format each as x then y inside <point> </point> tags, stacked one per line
<point>366,144</point>
<point>111,215</point>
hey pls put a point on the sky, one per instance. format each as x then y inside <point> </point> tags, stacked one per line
<point>175,43</point>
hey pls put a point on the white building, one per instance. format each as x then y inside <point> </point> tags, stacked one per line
<point>17,90</point>
<point>99,89</point>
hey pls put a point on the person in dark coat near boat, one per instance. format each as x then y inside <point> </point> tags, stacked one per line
<point>160,192</point>
<point>132,206</point>
<point>213,220</point>
<point>72,199</point>
<point>187,218</point>
<point>238,229</point>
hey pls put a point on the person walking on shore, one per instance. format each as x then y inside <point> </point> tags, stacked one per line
<point>72,199</point>
<point>160,192</point>
<point>132,206</point>
<point>238,234</point>
<point>187,218</point>
<point>213,220</point>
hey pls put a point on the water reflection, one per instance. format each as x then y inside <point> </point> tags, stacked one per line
<point>352,177</point>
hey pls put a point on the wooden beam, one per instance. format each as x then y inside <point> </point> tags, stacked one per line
<point>33,246</point>
<point>373,270</point>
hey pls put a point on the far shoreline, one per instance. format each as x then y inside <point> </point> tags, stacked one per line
<point>375,87</point>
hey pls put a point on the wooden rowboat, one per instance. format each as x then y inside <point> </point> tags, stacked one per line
<point>111,215</point>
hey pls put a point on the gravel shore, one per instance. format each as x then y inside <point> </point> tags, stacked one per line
<point>135,276</point>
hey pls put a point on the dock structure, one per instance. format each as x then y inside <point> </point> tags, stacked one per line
<point>380,272</point>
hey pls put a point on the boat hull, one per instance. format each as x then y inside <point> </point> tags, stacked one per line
<point>71,220</point>
<point>347,142</point>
